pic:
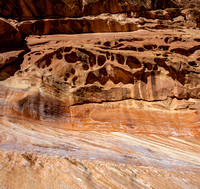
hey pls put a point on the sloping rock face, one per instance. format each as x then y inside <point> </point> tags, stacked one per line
<point>113,101</point>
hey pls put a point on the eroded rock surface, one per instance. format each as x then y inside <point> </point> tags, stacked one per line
<point>115,109</point>
<point>23,10</point>
<point>63,74</point>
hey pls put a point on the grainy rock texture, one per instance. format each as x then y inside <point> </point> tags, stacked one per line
<point>31,9</point>
<point>99,94</point>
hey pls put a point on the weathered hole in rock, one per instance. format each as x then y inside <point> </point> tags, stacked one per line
<point>185,51</point>
<point>103,72</point>
<point>72,57</point>
<point>140,49</point>
<point>129,47</point>
<point>112,57</point>
<point>172,39</point>
<point>92,60</point>
<point>59,55</point>
<point>164,47</point>
<point>180,51</point>
<point>133,62</point>
<point>120,75</point>
<point>92,57</point>
<point>150,46</point>
<point>91,78</point>
<point>45,61</point>
<point>48,62</point>
<point>107,44</point>
<point>101,78</point>
<point>192,63</point>
<point>66,76</point>
<point>101,60</point>
<point>73,71</point>
<point>67,49</point>
<point>120,58</point>
<point>123,76</point>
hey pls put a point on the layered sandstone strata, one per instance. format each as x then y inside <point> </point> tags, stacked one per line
<point>24,10</point>
<point>101,110</point>
<point>88,78</point>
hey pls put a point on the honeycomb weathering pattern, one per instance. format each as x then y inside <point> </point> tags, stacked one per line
<point>140,67</point>
<point>82,108</point>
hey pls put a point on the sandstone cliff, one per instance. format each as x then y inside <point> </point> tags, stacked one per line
<point>99,94</point>
<point>23,10</point>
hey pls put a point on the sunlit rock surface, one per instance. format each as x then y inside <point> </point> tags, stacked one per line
<point>99,96</point>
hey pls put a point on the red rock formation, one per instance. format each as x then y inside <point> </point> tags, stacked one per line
<point>9,34</point>
<point>22,10</point>
<point>149,67</point>
<point>101,110</point>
